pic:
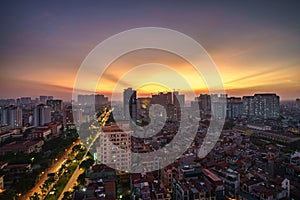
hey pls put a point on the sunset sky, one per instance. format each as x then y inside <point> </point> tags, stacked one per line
<point>255,45</point>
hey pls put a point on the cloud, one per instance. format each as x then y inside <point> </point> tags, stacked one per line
<point>115,79</point>
<point>262,73</point>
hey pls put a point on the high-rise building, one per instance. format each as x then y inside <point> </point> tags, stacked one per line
<point>143,106</point>
<point>263,106</point>
<point>129,104</point>
<point>55,105</point>
<point>68,116</point>
<point>12,115</point>
<point>7,102</point>
<point>178,101</point>
<point>162,99</point>
<point>218,105</point>
<point>172,112</point>
<point>165,100</point>
<point>89,99</point>
<point>41,115</point>
<point>298,103</point>
<point>78,115</point>
<point>25,100</point>
<point>43,99</point>
<point>85,99</point>
<point>100,100</point>
<point>201,105</point>
<point>205,102</point>
<point>234,107</point>
<point>248,104</point>
<point>173,103</point>
<point>266,105</point>
<point>114,149</point>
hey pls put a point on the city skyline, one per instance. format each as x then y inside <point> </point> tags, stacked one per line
<point>255,51</point>
<point>147,100</point>
<point>56,98</point>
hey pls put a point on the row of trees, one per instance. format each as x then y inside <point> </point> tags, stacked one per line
<point>52,150</point>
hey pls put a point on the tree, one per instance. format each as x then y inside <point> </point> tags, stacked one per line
<point>76,147</point>
<point>81,179</point>
<point>67,195</point>
<point>86,164</point>
<point>76,187</point>
<point>295,145</point>
<point>7,194</point>
<point>35,196</point>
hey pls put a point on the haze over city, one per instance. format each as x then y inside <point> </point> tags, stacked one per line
<point>255,45</point>
<point>152,100</point>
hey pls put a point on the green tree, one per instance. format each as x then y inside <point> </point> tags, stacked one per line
<point>67,195</point>
<point>35,196</point>
<point>81,179</point>
<point>295,145</point>
<point>86,164</point>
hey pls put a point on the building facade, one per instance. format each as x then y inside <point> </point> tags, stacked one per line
<point>130,104</point>
<point>41,115</point>
<point>114,148</point>
<point>12,115</point>
<point>234,107</point>
<point>265,106</point>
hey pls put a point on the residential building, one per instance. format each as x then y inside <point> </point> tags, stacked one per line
<point>114,148</point>
<point>179,102</point>
<point>234,107</point>
<point>26,147</point>
<point>43,99</point>
<point>298,103</point>
<point>101,184</point>
<point>68,116</point>
<point>204,102</point>
<point>173,103</point>
<point>41,115</point>
<point>265,106</point>
<point>218,106</point>
<point>143,106</point>
<point>231,180</point>
<point>56,105</point>
<point>163,99</point>
<point>12,115</point>
<point>93,99</point>
<point>129,104</point>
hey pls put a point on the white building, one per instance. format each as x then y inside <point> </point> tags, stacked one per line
<point>114,149</point>
<point>41,115</point>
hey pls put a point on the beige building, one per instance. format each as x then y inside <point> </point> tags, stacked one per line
<point>114,148</point>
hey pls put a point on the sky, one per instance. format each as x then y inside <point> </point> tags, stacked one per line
<point>255,45</point>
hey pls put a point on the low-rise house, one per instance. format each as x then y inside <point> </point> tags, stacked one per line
<point>26,147</point>
<point>18,169</point>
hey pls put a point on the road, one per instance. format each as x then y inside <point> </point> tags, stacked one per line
<point>72,181</point>
<point>44,176</point>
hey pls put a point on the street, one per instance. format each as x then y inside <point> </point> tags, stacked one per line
<point>52,169</point>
